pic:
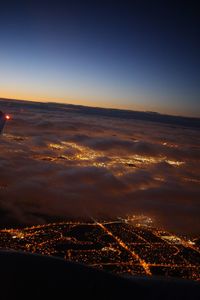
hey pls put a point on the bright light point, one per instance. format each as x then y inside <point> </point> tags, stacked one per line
<point>7,117</point>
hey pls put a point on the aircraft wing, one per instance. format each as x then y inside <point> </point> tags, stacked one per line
<point>31,276</point>
<point>3,119</point>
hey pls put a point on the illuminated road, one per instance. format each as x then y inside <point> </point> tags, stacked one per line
<point>122,244</point>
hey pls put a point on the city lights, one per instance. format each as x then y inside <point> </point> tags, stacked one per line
<point>131,245</point>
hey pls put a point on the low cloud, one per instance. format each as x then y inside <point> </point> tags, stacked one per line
<point>59,164</point>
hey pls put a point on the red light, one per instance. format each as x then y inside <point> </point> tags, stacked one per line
<point>7,117</point>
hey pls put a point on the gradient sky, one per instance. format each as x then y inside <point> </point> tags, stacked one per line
<point>100,53</point>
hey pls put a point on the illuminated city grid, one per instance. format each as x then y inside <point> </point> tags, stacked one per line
<point>130,246</point>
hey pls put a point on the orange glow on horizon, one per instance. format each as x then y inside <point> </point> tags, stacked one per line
<point>71,99</point>
<point>100,102</point>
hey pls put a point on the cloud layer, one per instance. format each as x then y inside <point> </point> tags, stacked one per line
<point>57,164</point>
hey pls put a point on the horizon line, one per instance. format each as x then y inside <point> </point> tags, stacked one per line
<point>102,107</point>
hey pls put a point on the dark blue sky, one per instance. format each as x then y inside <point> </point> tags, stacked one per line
<point>137,55</point>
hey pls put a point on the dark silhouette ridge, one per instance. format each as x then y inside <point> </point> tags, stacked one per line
<point>110,112</point>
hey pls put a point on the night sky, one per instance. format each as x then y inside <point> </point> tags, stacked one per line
<point>140,56</point>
